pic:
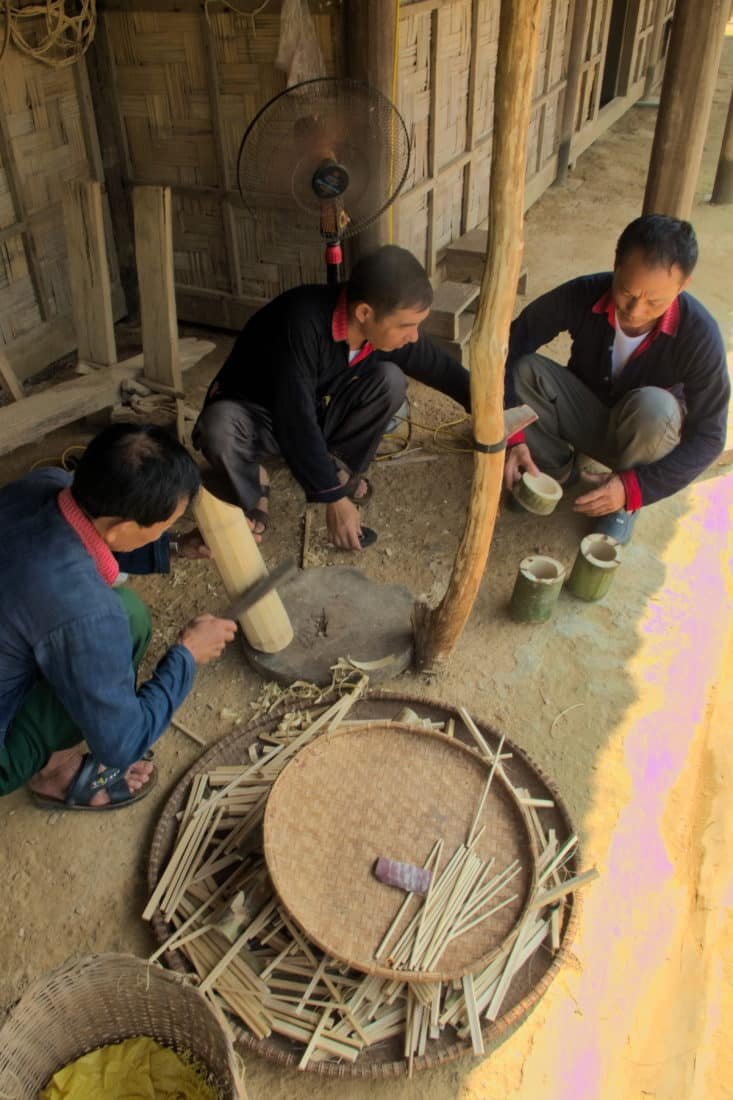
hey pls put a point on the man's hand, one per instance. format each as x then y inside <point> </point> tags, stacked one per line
<point>518,460</point>
<point>344,524</point>
<point>205,637</point>
<point>607,498</point>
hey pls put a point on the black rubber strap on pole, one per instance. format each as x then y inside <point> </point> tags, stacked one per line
<point>489,448</point>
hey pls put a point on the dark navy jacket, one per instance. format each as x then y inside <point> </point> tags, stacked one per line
<point>61,621</point>
<point>685,356</point>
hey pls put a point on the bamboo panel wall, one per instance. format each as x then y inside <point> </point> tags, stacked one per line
<point>447,62</point>
<point>47,137</point>
<point>186,85</point>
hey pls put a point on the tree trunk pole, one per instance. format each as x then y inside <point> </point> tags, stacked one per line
<point>723,186</point>
<point>438,630</point>
<point>695,46</point>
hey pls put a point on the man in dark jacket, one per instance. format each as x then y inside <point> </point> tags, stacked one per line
<point>316,375</point>
<point>646,388</point>
<point>70,642</point>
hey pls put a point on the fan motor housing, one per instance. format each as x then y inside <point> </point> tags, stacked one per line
<point>329,180</point>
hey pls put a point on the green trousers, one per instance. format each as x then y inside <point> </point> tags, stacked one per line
<point>42,726</point>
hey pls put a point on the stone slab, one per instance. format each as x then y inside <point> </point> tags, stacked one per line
<point>338,612</point>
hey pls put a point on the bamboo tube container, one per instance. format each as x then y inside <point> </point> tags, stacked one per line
<point>225,531</point>
<point>536,589</point>
<point>598,558</point>
<point>538,493</point>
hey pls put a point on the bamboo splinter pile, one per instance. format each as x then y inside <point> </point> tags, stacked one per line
<point>251,959</point>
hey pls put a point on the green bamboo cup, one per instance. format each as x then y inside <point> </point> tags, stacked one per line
<point>536,589</point>
<point>598,559</point>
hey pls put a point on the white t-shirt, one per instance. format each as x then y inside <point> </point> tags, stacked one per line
<point>353,354</point>
<point>623,348</point>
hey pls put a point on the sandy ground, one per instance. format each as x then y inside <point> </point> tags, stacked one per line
<point>642,762</point>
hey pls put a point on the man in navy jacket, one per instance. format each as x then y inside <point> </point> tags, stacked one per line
<point>70,642</point>
<point>646,388</point>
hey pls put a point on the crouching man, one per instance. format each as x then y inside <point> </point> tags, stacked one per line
<point>70,642</point>
<point>646,388</point>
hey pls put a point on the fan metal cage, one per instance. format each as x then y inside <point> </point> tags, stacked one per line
<point>333,151</point>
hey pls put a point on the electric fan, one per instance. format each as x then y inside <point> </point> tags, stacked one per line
<point>333,151</point>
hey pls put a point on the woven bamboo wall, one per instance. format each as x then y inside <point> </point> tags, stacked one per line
<point>447,62</point>
<point>47,136</point>
<point>186,83</point>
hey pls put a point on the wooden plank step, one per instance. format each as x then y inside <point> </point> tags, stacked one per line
<point>458,348</point>
<point>464,259</point>
<point>449,302</point>
<point>25,421</point>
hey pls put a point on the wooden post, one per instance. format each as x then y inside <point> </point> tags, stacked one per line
<point>91,293</point>
<point>723,186</point>
<point>438,630</point>
<point>154,257</point>
<point>9,379</point>
<point>226,532</point>
<point>576,55</point>
<point>690,74</point>
<point>370,34</point>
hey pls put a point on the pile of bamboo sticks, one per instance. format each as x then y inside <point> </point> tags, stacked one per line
<point>252,960</point>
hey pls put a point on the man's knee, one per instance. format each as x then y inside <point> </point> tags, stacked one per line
<point>531,374</point>
<point>392,384</point>
<point>223,428</point>
<point>138,616</point>
<point>649,419</point>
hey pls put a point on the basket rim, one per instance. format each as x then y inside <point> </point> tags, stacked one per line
<point>492,1032</point>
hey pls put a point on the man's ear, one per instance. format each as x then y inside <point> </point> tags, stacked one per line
<point>363,312</point>
<point>119,532</point>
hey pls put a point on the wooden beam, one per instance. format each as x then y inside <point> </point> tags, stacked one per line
<point>579,34</point>
<point>655,46</point>
<point>91,293</point>
<point>9,380</point>
<point>27,420</point>
<point>371,34</point>
<point>438,630</point>
<point>690,74</point>
<point>154,257</point>
<point>723,186</point>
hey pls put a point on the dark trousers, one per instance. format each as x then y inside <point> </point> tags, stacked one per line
<point>42,726</point>
<point>235,435</point>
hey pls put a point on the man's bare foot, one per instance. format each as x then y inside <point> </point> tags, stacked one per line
<point>362,489</point>
<point>53,781</point>
<point>258,523</point>
<point>192,546</point>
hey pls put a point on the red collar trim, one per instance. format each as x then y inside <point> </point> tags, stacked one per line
<point>93,542</point>
<point>668,323</point>
<point>340,329</point>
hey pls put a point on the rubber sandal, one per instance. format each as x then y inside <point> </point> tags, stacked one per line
<point>353,484</point>
<point>367,537</point>
<point>88,781</point>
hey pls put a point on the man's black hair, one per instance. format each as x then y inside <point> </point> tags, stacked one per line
<point>389,279</point>
<point>135,472</point>
<point>663,241</point>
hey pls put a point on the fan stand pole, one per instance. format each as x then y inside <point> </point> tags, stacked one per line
<point>334,260</point>
<point>438,629</point>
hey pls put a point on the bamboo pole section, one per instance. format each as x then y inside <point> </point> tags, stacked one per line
<point>723,186</point>
<point>226,532</point>
<point>438,630</point>
<point>690,73</point>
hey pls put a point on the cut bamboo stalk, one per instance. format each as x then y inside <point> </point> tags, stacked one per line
<point>477,1039</point>
<point>595,566</point>
<point>571,884</point>
<point>536,589</point>
<point>487,787</point>
<point>538,493</point>
<point>227,534</point>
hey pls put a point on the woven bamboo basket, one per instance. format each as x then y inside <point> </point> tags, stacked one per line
<point>105,999</point>
<point>385,1060</point>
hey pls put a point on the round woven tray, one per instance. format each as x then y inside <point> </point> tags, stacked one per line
<point>385,1060</point>
<point>391,790</point>
<point>105,999</point>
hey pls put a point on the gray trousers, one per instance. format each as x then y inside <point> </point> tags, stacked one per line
<point>235,435</point>
<point>642,427</point>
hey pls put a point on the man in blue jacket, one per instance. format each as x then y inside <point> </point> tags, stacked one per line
<point>646,388</point>
<point>70,642</point>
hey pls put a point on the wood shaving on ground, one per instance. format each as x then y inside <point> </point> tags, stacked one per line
<point>253,961</point>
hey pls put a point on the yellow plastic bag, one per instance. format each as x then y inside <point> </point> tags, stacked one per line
<point>137,1069</point>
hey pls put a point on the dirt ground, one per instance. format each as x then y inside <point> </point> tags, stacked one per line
<point>642,759</point>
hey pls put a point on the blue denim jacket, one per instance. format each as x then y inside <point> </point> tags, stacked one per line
<point>59,620</point>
